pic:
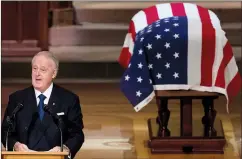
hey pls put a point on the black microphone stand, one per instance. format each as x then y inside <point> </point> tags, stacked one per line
<point>10,128</point>
<point>61,137</point>
<point>10,120</point>
<point>58,122</point>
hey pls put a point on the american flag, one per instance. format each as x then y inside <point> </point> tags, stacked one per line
<point>173,54</point>
<point>151,14</point>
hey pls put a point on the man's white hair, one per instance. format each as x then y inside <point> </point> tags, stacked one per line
<point>50,55</point>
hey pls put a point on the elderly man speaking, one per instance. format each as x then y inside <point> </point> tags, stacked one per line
<point>36,130</point>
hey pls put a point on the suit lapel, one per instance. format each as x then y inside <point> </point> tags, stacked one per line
<point>31,107</point>
<point>32,103</point>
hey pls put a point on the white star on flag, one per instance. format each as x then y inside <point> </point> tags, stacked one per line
<point>176,36</point>
<point>141,39</point>
<point>149,46</point>
<point>167,45</point>
<point>167,65</point>
<point>158,55</point>
<point>138,93</point>
<point>158,36</point>
<point>158,75</point>
<point>140,65</point>
<point>140,52</point>
<point>150,66</point>
<point>176,24</point>
<point>166,30</point>
<point>139,79</point>
<point>127,78</point>
<point>176,75</point>
<point>176,55</point>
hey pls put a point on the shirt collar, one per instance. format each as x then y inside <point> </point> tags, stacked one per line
<point>46,93</point>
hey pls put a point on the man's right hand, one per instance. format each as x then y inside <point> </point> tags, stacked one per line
<point>20,147</point>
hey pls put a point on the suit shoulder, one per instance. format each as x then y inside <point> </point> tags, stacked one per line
<point>20,93</point>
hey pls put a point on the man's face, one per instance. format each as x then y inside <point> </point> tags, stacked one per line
<point>43,71</point>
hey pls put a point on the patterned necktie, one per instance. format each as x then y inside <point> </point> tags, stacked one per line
<point>41,106</point>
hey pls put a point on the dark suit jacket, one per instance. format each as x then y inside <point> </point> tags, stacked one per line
<point>61,100</point>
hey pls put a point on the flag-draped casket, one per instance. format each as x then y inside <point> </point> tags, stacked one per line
<point>149,15</point>
<point>185,52</point>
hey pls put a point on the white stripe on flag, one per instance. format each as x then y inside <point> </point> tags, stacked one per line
<point>140,21</point>
<point>214,19</point>
<point>220,42</point>
<point>191,11</point>
<point>127,39</point>
<point>131,45</point>
<point>194,45</point>
<point>164,10</point>
<point>128,42</point>
<point>230,71</point>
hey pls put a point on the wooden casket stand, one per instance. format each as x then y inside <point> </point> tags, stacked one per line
<point>205,135</point>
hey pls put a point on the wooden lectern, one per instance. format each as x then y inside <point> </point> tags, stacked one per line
<point>205,135</point>
<point>33,155</point>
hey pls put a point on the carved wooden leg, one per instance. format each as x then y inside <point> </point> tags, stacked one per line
<point>186,116</point>
<point>163,117</point>
<point>209,117</point>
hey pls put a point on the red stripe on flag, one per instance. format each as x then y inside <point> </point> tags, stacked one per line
<point>234,87</point>
<point>132,30</point>
<point>208,47</point>
<point>227,56</point>
<point>151,14</point>
<point>178,9</point>
<point>124,57</point>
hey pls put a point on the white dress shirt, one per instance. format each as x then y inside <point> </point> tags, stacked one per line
<point>46,93</point>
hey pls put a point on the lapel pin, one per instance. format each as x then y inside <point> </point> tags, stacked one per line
<point>53,103</point>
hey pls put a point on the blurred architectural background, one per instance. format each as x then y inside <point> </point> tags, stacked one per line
<point>84,35</point>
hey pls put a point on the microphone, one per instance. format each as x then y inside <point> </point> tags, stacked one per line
<point>10,120</point>
<point>12,116</point>
<point>57,120</point>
